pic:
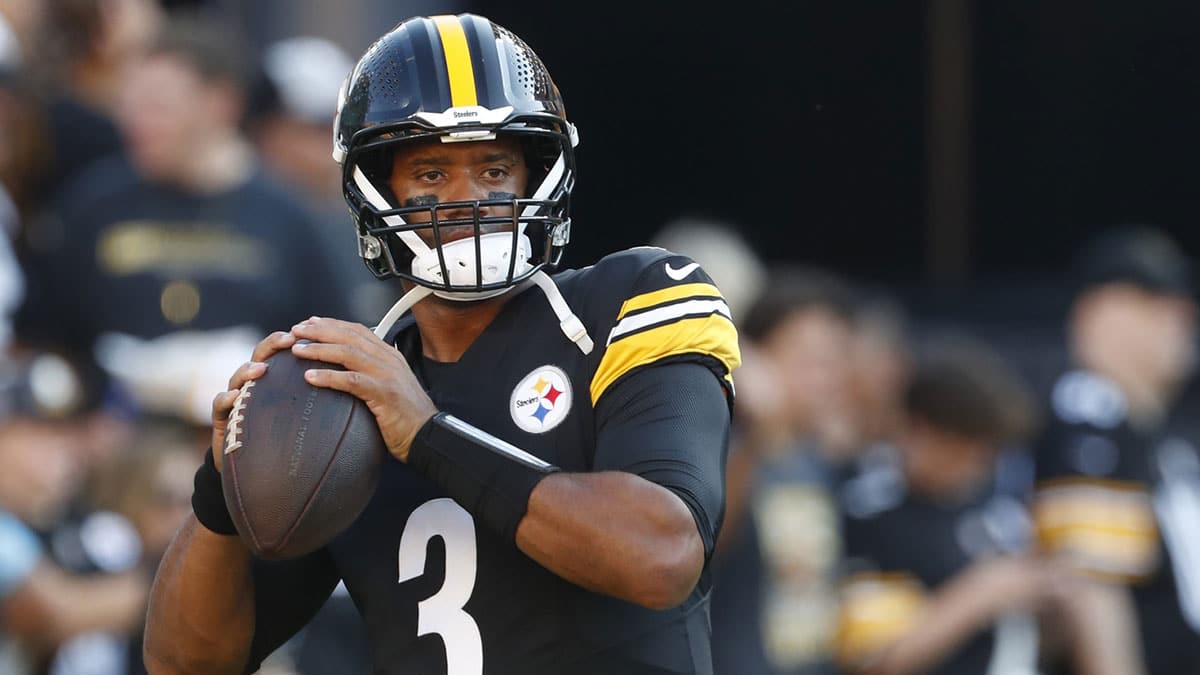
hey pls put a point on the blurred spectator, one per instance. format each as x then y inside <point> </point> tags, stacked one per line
<point>12,279</point>
<point>291,124</point>
<point>188,252</point>
<point>773,601</point>
<point>723,252</point>
<point>938,579</point>
<point>23,144</point>
<point>19,138</point>
<point>19,21</point>
<point>149,484</point>
<point>1117,490</point>
<point>82,50</point>
<point>880,361</point>
<point>69,587</point>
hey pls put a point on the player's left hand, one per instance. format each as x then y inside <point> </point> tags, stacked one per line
<point>376,372</point>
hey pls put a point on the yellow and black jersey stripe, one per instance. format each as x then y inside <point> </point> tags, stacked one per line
<point>689,318</point>
<point>1104,527</point>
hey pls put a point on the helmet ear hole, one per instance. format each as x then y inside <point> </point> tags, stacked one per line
<point>538,161</point>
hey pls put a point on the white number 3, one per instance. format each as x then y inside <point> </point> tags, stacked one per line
<point>442,613</point>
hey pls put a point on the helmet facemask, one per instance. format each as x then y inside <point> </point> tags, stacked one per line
<point>408,240</point>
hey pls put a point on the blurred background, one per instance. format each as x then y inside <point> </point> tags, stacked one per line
<point>958,239</point>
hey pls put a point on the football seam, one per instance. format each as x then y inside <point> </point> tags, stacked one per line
<point>236,417</point>
<point>324,474</point>
<point>241,504</point>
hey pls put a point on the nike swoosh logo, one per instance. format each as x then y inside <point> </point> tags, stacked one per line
<point>681,273</point>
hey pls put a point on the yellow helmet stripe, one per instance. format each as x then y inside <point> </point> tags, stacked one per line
<point>458,60</point>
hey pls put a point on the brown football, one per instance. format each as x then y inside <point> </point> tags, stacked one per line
<point>301,462</point>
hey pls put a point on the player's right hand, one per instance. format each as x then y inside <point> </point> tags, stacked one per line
<point>251,370</point>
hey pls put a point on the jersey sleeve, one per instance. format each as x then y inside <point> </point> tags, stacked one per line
<point>670,425</point>
<point>20,552</point>
<point>672,311</point>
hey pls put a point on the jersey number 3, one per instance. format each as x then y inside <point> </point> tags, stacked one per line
<point>443,613</point>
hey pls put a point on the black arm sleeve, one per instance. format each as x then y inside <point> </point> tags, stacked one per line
<point>287,594</point>
<point>669,424</point>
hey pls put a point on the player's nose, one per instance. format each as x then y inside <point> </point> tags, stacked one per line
<point>462,203</point>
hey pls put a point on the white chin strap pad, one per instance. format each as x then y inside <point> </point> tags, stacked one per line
<point>495,249</point>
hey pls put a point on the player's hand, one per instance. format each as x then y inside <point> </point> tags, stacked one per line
<point>376,372</point>
<point>251,370</point>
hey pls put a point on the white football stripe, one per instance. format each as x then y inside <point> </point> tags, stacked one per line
<point>663,314</point>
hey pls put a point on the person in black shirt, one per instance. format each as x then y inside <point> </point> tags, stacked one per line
<point>187,250</point>
<point>940,578</point>
<point>82,49</point>
<point>1116,461</point>
<point>558,442</point>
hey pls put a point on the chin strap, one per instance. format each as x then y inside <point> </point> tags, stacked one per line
<point>402,305</point>
<point>570,324</point>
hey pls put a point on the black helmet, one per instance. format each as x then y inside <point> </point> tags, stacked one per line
<point>458,79</point>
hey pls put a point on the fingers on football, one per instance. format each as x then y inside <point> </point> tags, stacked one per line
<point>249,370</point>
<point>366,376</point>
<point>349,381</point>
<point>275,342</point>
<point>367,359</point>
<point>318,329</point>
<point>222,404</point>
<point>354,356</point>
<point>351,345</point>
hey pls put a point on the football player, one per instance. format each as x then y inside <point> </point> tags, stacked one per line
<point>1118,470</point>
<point>938,576</point>
<point>558,441</point>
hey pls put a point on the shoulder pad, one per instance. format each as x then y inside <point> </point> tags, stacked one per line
<point>656,305</point>
<point>652,265</point>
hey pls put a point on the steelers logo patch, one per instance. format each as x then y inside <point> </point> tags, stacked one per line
<point>542,400</point>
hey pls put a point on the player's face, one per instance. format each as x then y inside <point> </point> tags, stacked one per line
<point>809,351</point>
<point>1173,345</point>
<point>433,172</point>
<point>1151,335</point>
<point>938,463</point>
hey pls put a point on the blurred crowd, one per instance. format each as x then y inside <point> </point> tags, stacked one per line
<point>167,198</point>
<point>901,498</point>
<point>909,497</point>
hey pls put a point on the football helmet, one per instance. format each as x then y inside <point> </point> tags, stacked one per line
<point>457,79</point>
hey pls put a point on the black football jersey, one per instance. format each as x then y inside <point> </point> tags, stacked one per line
<point>897,556</point>
<point>156,259</point>
<point>443,595</point>
<point>1103,488</point>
